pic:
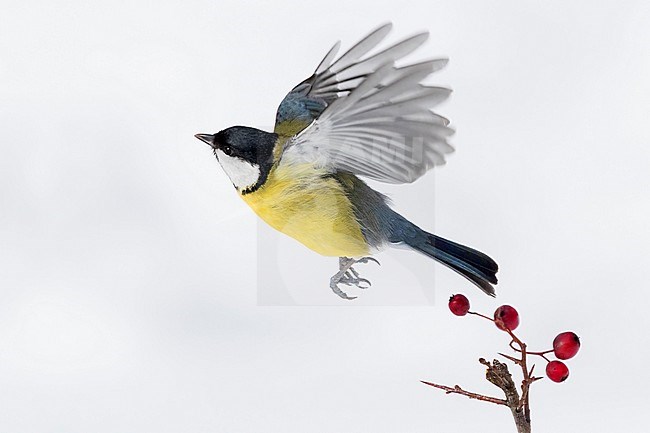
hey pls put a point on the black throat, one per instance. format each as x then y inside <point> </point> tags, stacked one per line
<point>265,160</point>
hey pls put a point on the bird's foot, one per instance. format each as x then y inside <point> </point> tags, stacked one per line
<point>349,276</point>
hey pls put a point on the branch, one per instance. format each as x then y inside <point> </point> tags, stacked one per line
<point>458,390</point>
<point>506,318</point>
<point>497,373</point>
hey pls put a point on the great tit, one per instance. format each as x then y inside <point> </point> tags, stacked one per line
<point>358,115</point>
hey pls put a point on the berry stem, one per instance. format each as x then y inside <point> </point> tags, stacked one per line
<point>542,353</point>
<point>481,315</point>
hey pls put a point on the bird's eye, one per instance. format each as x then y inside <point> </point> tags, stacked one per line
<point>227,150</point>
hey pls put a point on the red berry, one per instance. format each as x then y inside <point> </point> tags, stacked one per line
<point>459,305</point>
<point>506,317</point>
<point>557,371</point>
<point>566,345</point>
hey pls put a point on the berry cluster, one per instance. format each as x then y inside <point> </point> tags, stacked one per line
<point>506,318</point>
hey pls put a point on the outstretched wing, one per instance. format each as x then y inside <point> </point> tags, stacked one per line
<point>366,115</point>
<point>330,80</point>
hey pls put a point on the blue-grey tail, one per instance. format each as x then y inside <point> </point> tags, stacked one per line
<point>468,262</point>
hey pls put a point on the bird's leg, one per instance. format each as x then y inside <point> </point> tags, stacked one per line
<point>348,275</point>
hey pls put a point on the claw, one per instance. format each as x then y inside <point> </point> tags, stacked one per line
<point>339,292</point>
<point>362,283</point>
<point>368,259</point>
<point>353,279</point>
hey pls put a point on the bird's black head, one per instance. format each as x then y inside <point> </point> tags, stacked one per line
<point>246,155</point>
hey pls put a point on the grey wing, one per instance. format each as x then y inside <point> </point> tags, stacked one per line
<point>376,119</point>
<point>335,78</point>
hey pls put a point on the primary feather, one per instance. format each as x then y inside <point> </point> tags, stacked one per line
<point>365,115</point>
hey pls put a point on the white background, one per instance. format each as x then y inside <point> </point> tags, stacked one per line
<point>128,263</point>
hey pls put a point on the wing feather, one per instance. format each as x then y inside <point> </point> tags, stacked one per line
<point>327,60</point>
<point>376,119</point>
<point>369,65</point>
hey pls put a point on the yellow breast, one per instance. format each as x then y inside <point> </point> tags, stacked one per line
<point>311,207</point>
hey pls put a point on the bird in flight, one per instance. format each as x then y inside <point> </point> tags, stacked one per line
<point>358,114</point>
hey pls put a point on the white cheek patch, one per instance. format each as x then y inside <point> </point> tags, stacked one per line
<point>242,173</point>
